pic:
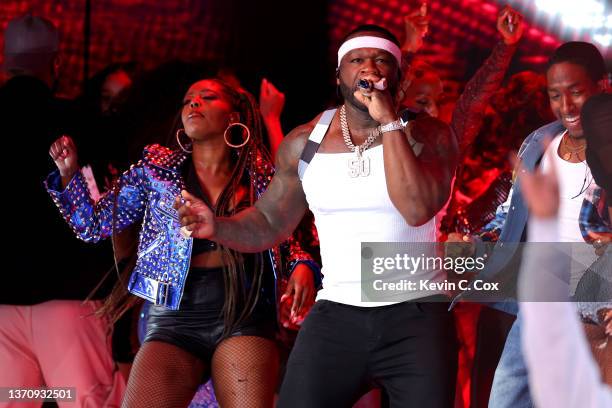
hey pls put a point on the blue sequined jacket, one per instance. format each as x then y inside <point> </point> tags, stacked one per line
<point>145,193</point>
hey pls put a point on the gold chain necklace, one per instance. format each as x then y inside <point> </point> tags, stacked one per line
<point>571,151</point>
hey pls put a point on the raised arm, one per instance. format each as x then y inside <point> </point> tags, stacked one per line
<point>416,27</point>
<point>273,217</point>
<point>471,106</point>
<point>91,221</point>
<point>271,104</point>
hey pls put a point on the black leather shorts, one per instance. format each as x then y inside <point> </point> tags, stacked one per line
<point>198,326</point>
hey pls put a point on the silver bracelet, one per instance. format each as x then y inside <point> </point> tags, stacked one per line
<point>391,126</point>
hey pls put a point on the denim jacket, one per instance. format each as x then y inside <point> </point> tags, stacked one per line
<point>145,193</point>
<point>512,219</point>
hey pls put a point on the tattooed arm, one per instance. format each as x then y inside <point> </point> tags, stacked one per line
<point>420,185</point>
<point>273,217</point>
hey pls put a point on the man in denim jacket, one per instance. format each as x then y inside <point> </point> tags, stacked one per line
<point>575,72</point>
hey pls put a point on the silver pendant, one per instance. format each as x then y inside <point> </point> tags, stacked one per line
<point>359,166</point>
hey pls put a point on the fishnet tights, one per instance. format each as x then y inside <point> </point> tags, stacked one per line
<point>244,372</point>
<point>163,376</point>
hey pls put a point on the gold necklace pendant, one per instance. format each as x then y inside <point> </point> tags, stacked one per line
<point>571,150</point>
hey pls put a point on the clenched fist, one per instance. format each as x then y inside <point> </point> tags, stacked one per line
<point>64,154</point>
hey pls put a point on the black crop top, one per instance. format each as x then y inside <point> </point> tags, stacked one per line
<point>193,186</point>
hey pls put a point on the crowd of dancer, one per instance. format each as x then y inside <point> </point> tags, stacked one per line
<point>227,269</point>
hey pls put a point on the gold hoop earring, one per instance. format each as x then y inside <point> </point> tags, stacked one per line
<point>178,140</point>
<point>246,140</point>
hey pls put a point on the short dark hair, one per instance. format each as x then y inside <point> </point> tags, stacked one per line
<point>376,28</point>
<point>583,54</point>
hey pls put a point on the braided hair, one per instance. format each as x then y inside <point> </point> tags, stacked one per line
<point>238,291</point>
<point>241,293</point>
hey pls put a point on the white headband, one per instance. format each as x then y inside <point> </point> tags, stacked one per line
<point>370,42</point>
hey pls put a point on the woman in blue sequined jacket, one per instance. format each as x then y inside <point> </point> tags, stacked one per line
<point>214,310</point>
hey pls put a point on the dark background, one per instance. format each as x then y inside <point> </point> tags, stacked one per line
<point>291,43</point>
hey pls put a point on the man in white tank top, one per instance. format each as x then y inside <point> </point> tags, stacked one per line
<point>367,177</point>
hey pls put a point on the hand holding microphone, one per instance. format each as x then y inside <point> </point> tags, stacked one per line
<point>381,84</point>
<point>379,103</point>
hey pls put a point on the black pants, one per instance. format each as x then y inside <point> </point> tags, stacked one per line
<point>408,349</point>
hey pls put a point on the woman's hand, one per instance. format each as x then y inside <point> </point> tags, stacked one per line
<point>510,25</point>
<point>298,297</point>
<point>64,154</point>
<point>416,26</point>
<point>196,217</point>
<point>271,104</point>
<point>271,101</point>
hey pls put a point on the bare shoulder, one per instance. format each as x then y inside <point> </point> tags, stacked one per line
<point>293,144</point>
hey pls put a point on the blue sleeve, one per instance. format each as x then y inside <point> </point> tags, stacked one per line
<point>92,221</point>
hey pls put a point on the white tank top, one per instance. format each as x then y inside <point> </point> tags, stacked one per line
<point>574,180</point>
<point>349,211</point>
